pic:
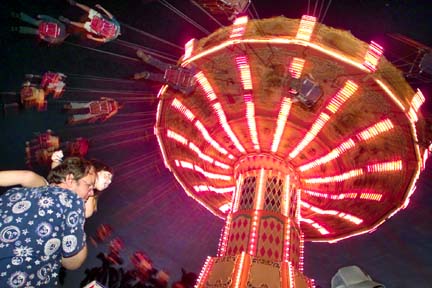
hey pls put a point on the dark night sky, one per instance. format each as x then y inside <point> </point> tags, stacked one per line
<point>144,205</point>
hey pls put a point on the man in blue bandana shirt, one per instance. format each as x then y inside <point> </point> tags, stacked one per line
<point>42,228</point>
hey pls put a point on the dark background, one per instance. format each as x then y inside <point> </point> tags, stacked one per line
<point>144,205</point>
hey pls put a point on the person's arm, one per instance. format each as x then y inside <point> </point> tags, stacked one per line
<point>47,18</point>
<point>74,262</point>
<point>110,16</point>
<point>90,206</point>
<point>106,117</point>
<point>24,178</point>
<point>56,158</point>
<point>97,39</point>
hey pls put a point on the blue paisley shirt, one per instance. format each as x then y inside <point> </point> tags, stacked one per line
<point>38,227</point>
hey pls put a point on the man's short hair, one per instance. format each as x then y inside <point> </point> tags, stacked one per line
<point>78,167</point>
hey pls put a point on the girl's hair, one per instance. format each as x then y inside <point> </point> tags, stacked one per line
<point>100,166</point>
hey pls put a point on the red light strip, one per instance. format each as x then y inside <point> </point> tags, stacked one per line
<point>182,109</point>
<point>318,227</point>
<point>291,275</point>
<point>378,128</point>
<point>371,196</point>
<point>217,107</point>
<point>205,188</point>
<point>210,140</point>
<point>385,166</point>
<point>188,165</point>
<point>287,240</point>
<point>181,139</point>
<point>205,84</point>
<point>335,153</point>
<point>239,27</point>
<point>286,197</point>
<point>301,264</point>
<point>416,103</point>
<point>373,56</point>
<point>253,238</point>
<point>204,271</point>
<point>296,67</point>
<point>224,123</point>
<point>341,97</point>
<point>306,27</point>
<point>336,178</point>
<point>339,214</point>
<point>281,122</point>
<point>250,116</point>
<point>246,79</point>
<point>236,195</point>
<point>310,135</point>
<point>368,133</point>
<point>171,134</point>
<point>191,117</point>
<point>237,278</point>
<point>245,74</point>
<point>224,239</point>
<point>353,195</point>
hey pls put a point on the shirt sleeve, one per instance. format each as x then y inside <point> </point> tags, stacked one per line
<point>74,237</point>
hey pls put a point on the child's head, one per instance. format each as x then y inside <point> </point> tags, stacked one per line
<point>104,174</point>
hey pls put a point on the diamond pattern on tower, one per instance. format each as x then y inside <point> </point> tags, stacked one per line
<point>273,194</point>
<point>238,235</point>
<point>270,240</point>
<point>247,193</point>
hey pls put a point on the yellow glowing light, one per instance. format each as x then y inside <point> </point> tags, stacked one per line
<point>306,27</point>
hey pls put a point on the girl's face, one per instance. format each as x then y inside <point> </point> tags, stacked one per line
<point>103,180</point>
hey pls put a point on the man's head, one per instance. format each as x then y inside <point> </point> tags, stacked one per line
<point>75,174</point>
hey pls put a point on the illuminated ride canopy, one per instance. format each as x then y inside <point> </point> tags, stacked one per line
<point>295,131</point>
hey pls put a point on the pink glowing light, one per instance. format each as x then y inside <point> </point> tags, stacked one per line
<point>301,258</point>
<point>250,116</point>
<point>287,240</point>
<point>205,84</point>
<point>336,213</point>
<point>181,139</point>
<point>335,153</point>
<point>373,56</point>
<point>318,227</point>
<point>220,190</point>
<point>253,238</point>
<point>189,48</point>
<point>333,106</point>
<point>204,271</point>
<point>224,123</point>
<point>224,239</point>
<point>337,178</point>
<point>353,195</point>
<point>239,27</point>
<point>191,117</point>
<point>191,166</point>
<point>416,103</point>
<point>281,122</point>
<point>245,74</point>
